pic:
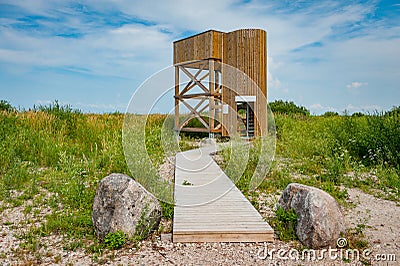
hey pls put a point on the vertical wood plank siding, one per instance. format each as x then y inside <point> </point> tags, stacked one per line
<point>244,49</point>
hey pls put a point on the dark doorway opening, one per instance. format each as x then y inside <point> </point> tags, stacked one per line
<point>245,112</point>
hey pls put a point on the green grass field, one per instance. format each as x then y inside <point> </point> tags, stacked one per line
<point>54,156</point>
<point>327,152</point>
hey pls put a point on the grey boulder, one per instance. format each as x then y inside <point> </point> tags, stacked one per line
<point>121,204</point>
<point>319,218</point>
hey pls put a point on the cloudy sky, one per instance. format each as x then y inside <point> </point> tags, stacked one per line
<point>325,55</point>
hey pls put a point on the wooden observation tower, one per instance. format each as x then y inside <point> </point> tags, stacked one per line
<point>221,81</point>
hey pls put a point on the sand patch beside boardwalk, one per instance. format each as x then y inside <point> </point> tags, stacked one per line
<point>381,218</point>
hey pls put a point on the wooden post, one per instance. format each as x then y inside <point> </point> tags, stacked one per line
<point>211,85</point>
<point>218,108</point>
<point>176,98</point>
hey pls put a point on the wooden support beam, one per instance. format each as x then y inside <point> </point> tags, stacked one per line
<point>191,115</point>
<point>196,64</point>
<point>212,94</point>
<point>194,129</point>
<point>197,114</point>
<point>176,100</point>
<point>211,86</point>
<point>198,95</point>
<point>198,83</point>
<point>191,84</point>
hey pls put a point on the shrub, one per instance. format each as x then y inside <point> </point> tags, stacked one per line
<point>288,108</point>
<point>115,240</point>
<point>330,114</point>
<point>167,210</point>
<point>372,139</point>
<point>285,223</point>
<point>6,106</point>
<point>357,114</point>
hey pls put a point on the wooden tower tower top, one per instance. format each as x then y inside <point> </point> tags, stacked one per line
<point>227,86</point>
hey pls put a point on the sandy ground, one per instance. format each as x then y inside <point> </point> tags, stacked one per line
<point>381,218</point>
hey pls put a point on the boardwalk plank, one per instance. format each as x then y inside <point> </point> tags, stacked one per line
<point>211,208</point>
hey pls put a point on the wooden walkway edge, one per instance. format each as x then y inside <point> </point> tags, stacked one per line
<point>209,207</point>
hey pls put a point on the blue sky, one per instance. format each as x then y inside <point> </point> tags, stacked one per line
<point>325,55</point>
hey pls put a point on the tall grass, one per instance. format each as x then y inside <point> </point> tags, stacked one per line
<point>63,151</point>
<point>322,151</point>
<point>332,151</point>
<point>372,139</point>
<point>55,156</point>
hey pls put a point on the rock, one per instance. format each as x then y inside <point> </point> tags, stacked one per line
<point>319,218</point>
<point>123,204</point>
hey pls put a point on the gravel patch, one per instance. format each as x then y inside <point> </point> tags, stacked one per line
<point>167,169</point>
<point>381,220</point>
<point>379,216</point>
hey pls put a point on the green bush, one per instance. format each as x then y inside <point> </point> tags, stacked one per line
<point>358,114</point>
<point>321,151</point>
<point>372,139</point>
<point>284,223</point>
<point>330,114</point>
<point>115,240</point>
<point>288,108</point>
<point>6,106</point>
<point>167,210</point>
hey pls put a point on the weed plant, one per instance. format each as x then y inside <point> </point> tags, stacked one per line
<point>284,224</point>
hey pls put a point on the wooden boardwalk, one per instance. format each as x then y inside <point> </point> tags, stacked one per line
<point>209,207</point>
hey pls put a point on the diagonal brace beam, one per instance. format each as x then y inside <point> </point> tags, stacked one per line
<point>192,114</point>
<point>196,113</point>
<point>198,83</point>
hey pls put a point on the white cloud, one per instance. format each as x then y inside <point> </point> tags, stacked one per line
<point>356,85</point>
<point>288,31</point>
<point>120,52</point>
<point>133,42</point>
<point>318,108</point>
<point>136,50</point>
<point>273,82</point>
